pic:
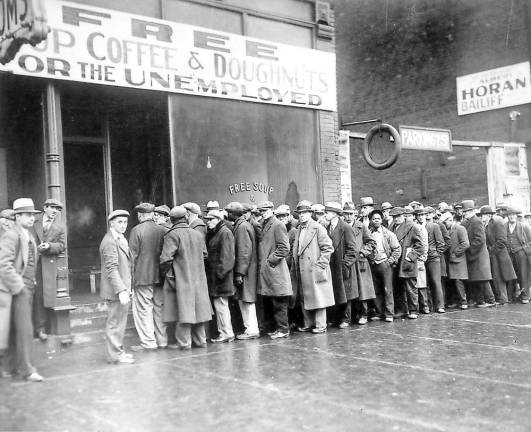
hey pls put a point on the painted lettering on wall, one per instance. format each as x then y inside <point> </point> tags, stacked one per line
<point>242,187</point>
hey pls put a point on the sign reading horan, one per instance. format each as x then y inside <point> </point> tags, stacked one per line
<point>108,47</point>
<point>492,89</point>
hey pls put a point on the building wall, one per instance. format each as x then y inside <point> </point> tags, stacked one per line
<point>399,60</point>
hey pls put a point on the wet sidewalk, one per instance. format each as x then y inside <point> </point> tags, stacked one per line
<point>461,371</point>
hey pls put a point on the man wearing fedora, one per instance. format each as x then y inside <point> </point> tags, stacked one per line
<point>145,244</point>
<point>387,219</point>
<point>366,207</point>
<point>311,258</point>
<point>477,256</point>
<point>50,233</point>
<point>349,213</point>
<point>18,264</point>
<point>275,280</point>
<point>116,285</point>
<point>500,261</point>
<point>519,241</point>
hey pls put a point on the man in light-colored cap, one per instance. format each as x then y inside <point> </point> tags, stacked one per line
<point>212,205</point>
<point>161,216</point>
<point>145,243</point>
<point>18,263</point>
<point>193,213</point>
<point>116,286</point>
<point>50,232</point>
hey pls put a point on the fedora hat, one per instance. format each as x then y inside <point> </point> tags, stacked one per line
<point>318,208</point>
<point>282,210</point>
<point>52,202</point>
<point>366,201</point>
<point>333,207</point>
<point>397,211</point>
<point>420,211</point>
<point>484,210</point>
<point>24,205</point>
<point>304,206</point>
<point>212,205</point>
<point>467,205</point>
<point>387,206</point>
<point>512,210</point>
<point>349,208</point>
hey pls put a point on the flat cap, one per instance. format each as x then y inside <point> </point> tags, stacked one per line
<point>214,214</point>
<point>248,207</point>
<point>264,205</point>
<point>7,214</point>
<point>387,206</point>
<point>145,208</point>
<point>282,209</point>
<point>117,213</point>
<point>334,207</point>
<point>366,201</point>
<point>177,212</point>
<point>397,211</point>
<point>304,206</point>
<point>212,205</point>
<point>234,207</point>
<point>192,207</point>
<point>52,202</point>
<point>162,209</point>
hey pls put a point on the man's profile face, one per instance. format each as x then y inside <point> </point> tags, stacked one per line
<point>119,224</point>
<point>212,223</point>
<point>386,213</point>
<point>25,220</point>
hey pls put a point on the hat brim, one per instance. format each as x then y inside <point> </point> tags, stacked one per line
<point>26,211</point>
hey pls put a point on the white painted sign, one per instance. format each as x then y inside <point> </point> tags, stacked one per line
<point>103,46</point>
<point>492,89</point>
<point>420,138</point>
<point>344,166</point>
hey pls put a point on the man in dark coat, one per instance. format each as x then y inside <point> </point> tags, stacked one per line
<point>219,270</point>
<point>161,216</point>
<point>49,232</point>
<point>500,261</point>
<point>245,269</point>
<point>341,265</point>
<point>145,243</point>
<point>186,299</point>
<point>477,256</point>
<point>436,249</point>
<point>275,279</point>
<point>193,213</point>
<point>409,237</point>
<point>519,241</point>
<point>457,268</point>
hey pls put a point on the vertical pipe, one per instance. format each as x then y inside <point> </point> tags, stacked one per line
<point>172,152</point>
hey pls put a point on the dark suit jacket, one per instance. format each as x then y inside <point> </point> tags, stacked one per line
<point>477,256</point>
<point>408,235</point>
<point>145,244</point>
<point>116,268</point>
<point>341,262</point>
<point>496,237</point>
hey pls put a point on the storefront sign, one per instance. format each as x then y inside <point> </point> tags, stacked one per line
<point>243,187</point>
<point>419,138</point>
<point>344,166</point>
<point>108,47</point>
<point>21,22</point>
<point>496,88</point>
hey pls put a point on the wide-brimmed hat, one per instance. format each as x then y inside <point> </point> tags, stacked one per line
<point>429,209</point>
<point>177,212</point>
<point>387,206</point>
<point>420,211</point>
<point>349,207</point>
<point>117,213</point>
<point>408,209</point>
<point>333,207</point>
<point>52,202</point>
<point>145,208</point>
<point>512,210</point>
<point>214,214</point>
<point>24,205</point>
<point>318,208</point>
<point>485,210</point>
<point>282,210</point>
<point>304,206</point>
<point>468,205</point>
<point>366,201</point>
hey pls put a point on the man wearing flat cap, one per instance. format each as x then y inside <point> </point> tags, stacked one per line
<point>275,280</point>
<point>7,220</point>
<point>116,285</point>
<point>477,256</point>
<point>161,216</point>
<point>50,234</point>
<point>519,241</point>
<point>500,262</point>
<point>193,213</point>
<point>18,264</point>
<point>145,244</point>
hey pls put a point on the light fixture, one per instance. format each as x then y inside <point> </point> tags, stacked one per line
<point>208,165</point>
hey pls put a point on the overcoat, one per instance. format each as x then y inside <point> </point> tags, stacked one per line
<point>444,255</point>
<point>199,225</point>
<point>477,255</point>
<point>145,244</point>
<point>220,261</point>
<point>116,267</point>
<point>185,287</point>
<point>496,237</point>
<point>342,261</point>
<point>55,236</point>
<point>361,277</point>
<point>311,268</point>
<point>408,235</point>
<point>246,259</point>
<point>457,247</point>
<point>273,250</point>
<point>13,260</point>
<point>422,278</point>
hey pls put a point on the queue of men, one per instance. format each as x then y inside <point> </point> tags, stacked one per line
<point>243,271</point>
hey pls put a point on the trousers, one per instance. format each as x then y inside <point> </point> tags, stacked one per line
<point>147,315</point>
<point>115,329</point>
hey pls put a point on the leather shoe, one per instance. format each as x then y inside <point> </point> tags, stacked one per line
<point>302,329</point>
<point>246,336</point>
<point>221,339</point>
<point>34,377</point>
<point>318,330</point>
<point>344,325</point>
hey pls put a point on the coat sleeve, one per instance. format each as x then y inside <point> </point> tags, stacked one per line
<point>110,261</point>
<point>9,248</point>
<point>476,238</point>
<point>281,245</point>
<point>462,243</point>
<point>440,244</point>
<point>57,245</point>
<point>445,234</point>
<point>244,250</point>
<point>396,249</point>
<point>325,245</point>
<point>134,245</point>
<point>349,256</point>
<point>420,249</point>
<point>500,237</point>
<point>369,244</point>
<point>169,247</point>
<point>226,254</point>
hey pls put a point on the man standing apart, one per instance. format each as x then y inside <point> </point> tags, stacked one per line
<point>311,257</point>
<point>519,238</point>
<point>275,279</point>
<point>219,265</point>
<point>116,285</point>
<point>145,243</point>
<point>50,235</point>
<point>18,263</point>
<point>186,298</point>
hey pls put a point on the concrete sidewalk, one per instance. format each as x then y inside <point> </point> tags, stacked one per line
<point>461,371</point>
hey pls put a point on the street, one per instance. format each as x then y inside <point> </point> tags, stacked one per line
<point>461,371</point>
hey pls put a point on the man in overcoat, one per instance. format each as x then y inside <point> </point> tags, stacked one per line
<point>477,256</point>
<point>500,261</point>
<point>186,299</point>
<point>49,232</point>
<point>275,281</point>
<point>519,241</point>
<point>18,263</point>
<point>341,264</point>
<point>7,220</point>
<point>457,267</point>
<point>245,269</point>
<point>161,216</point>
<point>116,285</point>
<point>219,270</point>
<point>311,258</point>
<point>145,244</point>
<point>408,236</point>
<point>193,213</point>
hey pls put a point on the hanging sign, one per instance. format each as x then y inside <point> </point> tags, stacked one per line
<point>109,47</point>
<point>421,138</point>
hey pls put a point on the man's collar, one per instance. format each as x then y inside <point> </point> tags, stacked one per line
<point>115,234</point>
